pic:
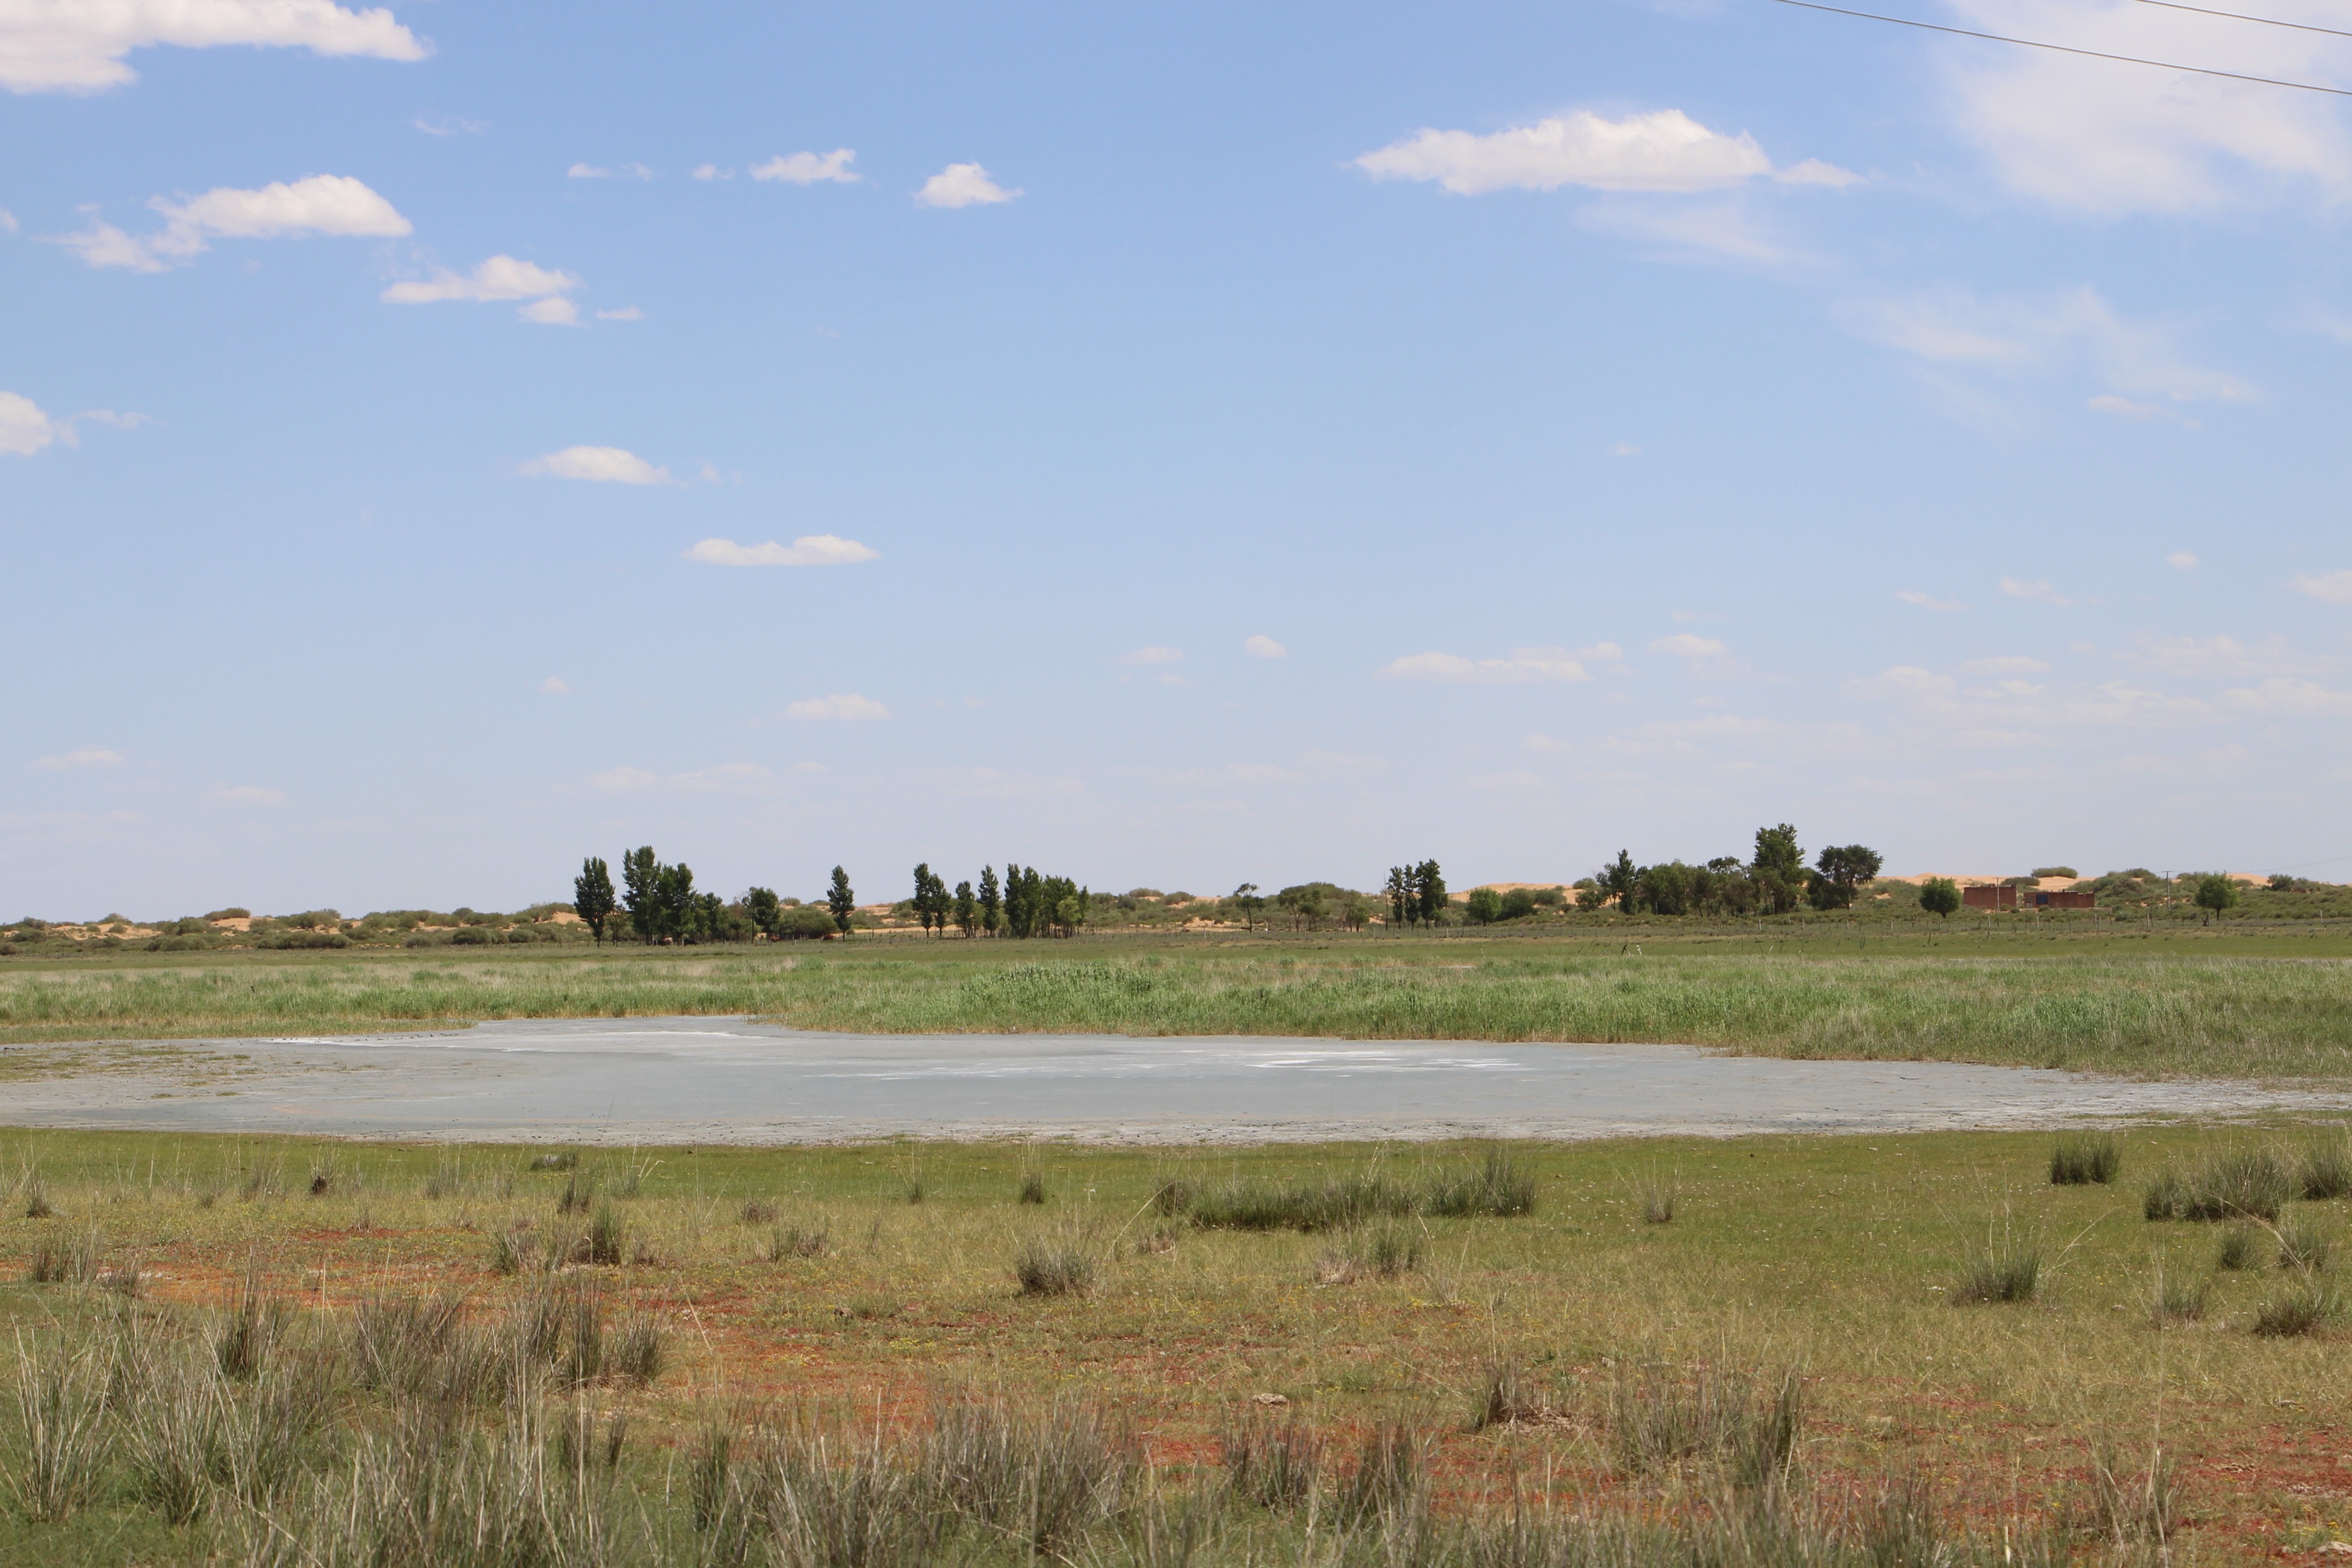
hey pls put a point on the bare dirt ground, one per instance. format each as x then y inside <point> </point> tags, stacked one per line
<point>726,1081</point>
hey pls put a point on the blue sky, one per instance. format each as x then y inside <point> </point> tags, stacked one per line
<point>1173,446</point>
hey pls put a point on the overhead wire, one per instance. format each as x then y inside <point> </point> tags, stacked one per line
<point>2070,49</point>
<point>2241,16</point>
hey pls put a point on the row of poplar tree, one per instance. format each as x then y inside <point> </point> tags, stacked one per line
<point>657,902</point>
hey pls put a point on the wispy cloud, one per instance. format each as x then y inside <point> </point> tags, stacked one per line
<point>1665,150</point>
<point>595,171</point>
<point>1912,596</point>
<point>24,428</point>
<point>334,204</point>
<point>2038,590</point>
<point>1155,656</point>
<point>502,277</point>
<point>1264,647</point>
<point>846,705</point>
<point>809,550</point>
<point>86,757</point>
<point>810,168</point>
<point>78,48</point>
<point>2181,560</point>
<point>2331,587</point>
<point>598,464</point>
<point>451,125</point>
<point>248,795</point>
<point>1523,666</point>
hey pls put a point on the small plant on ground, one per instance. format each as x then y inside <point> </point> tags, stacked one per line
<point>640,1349</point>
<point>2172,1299</point>
<point>36,1196</point>
<point>1505,1396</point>
<point>2086,1159</point>
<point>60,1406</point>
<point>758,1211</point>
<point>1054,1265</point>
<point>797,1241</point>
<point>1657,1202</point>
<point>1033,1187</point>
<point>2237,1184</point>
<point>2302,1309</point>
<point>605,1243</point>
<point>2240,1247</point>
<point>2007,1268</point>
<point>1276,1465</point>
<point>579,1193</point>
<point>2304,1244</point>
<point>2134,1503</point>
<point>2327,1170</point>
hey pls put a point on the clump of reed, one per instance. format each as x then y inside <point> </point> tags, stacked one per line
<point>1377,1253</point>
<point>2008,1267</point>
<point>2173,1300</point>
<point>1749,1425</point>
<point>60,1407</point>
<point>1055,1263</point>
<point>1033,1187</point>
<point>2303,1243</point>
<point>1495,1188</point>
<point>2251,1182</point>
<point>1273,1463</point>
<point>2086,1159</point>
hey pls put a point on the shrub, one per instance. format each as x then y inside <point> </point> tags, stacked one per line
<point>248,1329</point>
<point>1504,1396</point>
<point>604,1243</point>
<point>1054,1266</point>
<point>793,1242</point>
<point>756,1211</point>
<point>2084,1159</point>
<point>36,1198</point>
<point>1657,1202</point>
<point>61,1404</point>
<point>1033,1187</point>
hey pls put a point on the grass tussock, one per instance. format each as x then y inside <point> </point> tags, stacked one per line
<point>2325,1170</point>
<point>2241,1248</point>
<point>2008,1267</point>
<point>60,1410</point>
<point>790,1241</point>
<point>2086,1159</point>
<point>1661,1416</point>
<point>2304,1244</point>
<point>2252,1182</point>
<point>2172,1299</point>
<point>1056,1263</point>
<point>2302,1308</point>
<point>1275,1464</point>
<point>1494,1188</point>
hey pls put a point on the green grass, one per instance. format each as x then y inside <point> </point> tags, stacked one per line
<point>2242,1007</point>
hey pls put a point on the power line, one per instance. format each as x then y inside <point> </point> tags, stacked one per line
<point>2241,16</point>
<point>2067,50</point>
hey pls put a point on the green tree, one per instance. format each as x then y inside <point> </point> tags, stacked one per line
<point>1779,868</point>
<point>2215,894</point>
<point>1485,906</point>
<point>673,903</point>
<point>839,899</point>
<point>1589,895</point>
<point>641,880</point>
<point>1939,895</point>
<point>1665,889</point>
<point>992,902</point>
<point>1839,874</point>
<point>1620,879</point>
<point>967,908</point>
<point>1520,903</point>
<point>1398,889</point>
<point>591,897</point>
<point>765,912</point>
<point>1245,899</point>
<point>930,898</point>
<point>1429,891</point>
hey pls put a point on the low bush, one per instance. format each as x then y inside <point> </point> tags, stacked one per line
<point>1054,1266</point>
<point>2304,1244</point>
<point>2300,1311</point>
<point>2327,1170</point>
<point>2240,1247</point>
<point>2005,1269</point>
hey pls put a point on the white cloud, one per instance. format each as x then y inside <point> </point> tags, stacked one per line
<point>500,278</point>
<point>1624,449</point>
<point>809,550</point>
<point>1689,645</point>
<point>2038,590</point>
<point>2076,331</point>
<point>2220,657</point>
<point>841,705</point>
<point>2138,412</point>
<point>625,313</point>
<point>77,45</point>
<point>1913,596</point>
<point>1663,151</point>
<point>1706,231</point>
<point>2005,664</point>
<point>1264,647</point>
<point>450,125</point>
<point>7,221</point>
<point>712,171</point>
<point>2334,587</point>
<point>600,464</point>
<point>962,185</point>
<point>586,171</point>
<point>249,795</point>
<point>24,429</point>
<point>553,311</point>
<point>555,686</point>
<point>1813,171</point>
<point>1525,664</point>
<point>2281,695</point>
<point>335,204</point>
<point>727,778</point>
<point>2088,136</point>
<point>2185,561</point>
<point>86,757</point>
<point>1152,656</point>
<point>813,168</point>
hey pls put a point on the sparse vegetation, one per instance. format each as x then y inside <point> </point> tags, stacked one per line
<point>2084,1159</point>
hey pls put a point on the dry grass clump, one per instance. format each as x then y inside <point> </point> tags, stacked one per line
<point>2172,1299</point>
<point>249,1328</point>
<point>757,1211</point>
<point>1497,1188</point>
<point>2086,1159</point>
<point>798,1241</point>
<point>60,1407</point>
<point>2302,1309</point>
<point>2303,1243</point>
<point>1273,1463</point>
<point>2326,1170</point>
<point>2007,1268</point>
<point>2241,1248</point>
<point>1507,1395</point>
<point>1033,1187</point>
